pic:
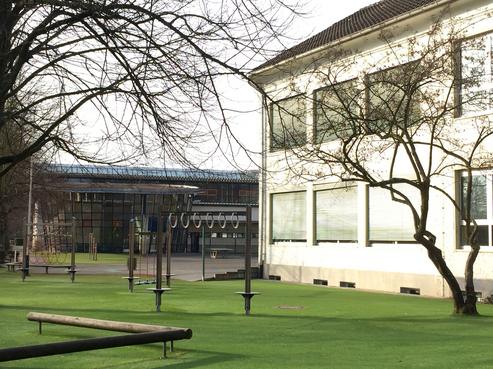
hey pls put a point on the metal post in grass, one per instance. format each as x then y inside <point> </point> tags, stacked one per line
<point>25,256</point>
<point>169,238</point>
<point>159,290</point>
<point>131,241</point>
<point>72,270</point>
<point>203,253</point>
<point>247,293</point>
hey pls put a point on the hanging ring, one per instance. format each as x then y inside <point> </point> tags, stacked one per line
<point>182,217</point>
<point>235,220</point>
<point>224,220</point>
<point>197,225</point>
<point>211,217</point>
<point>170,220</point>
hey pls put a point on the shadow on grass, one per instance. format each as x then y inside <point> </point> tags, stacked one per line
<point>211,358</point>
<point>45,309</point>
<point>282,316</point>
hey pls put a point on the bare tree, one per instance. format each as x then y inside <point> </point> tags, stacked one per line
<point>139,69</point>
<point>386,119</point>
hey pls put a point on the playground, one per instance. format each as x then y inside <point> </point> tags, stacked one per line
<point>290,326</point>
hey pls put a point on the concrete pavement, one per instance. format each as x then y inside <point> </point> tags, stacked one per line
<point>187,267</point>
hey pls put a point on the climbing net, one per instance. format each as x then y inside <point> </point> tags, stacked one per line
<point>51,243</point>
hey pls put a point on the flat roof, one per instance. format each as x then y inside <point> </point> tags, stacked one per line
<point>169,174</point>
<point>123,187</point>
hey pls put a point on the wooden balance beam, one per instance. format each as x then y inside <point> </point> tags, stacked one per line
<point>108,325</point>
<point>142,334</point>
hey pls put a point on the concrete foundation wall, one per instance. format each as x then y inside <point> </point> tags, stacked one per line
<point>429,285</point>
<point>384,268</point>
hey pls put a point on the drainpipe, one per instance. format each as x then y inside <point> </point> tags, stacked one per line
<point>263,217</point>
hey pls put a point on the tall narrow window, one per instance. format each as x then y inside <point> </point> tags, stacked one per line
<point>288,123</point>
<point>392,98</point>
<point>476,74</point>
<point>337,215</point>
<point>390,221</point>
<point>288,216</point>
<point>336,111</point>
<point>480,209</point>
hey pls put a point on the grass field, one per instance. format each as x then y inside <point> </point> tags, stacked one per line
<point>102,258</point>
<point>291,326</point>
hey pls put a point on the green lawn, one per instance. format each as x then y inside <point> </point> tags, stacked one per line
<point>334,329</point>
<point>85,258</point>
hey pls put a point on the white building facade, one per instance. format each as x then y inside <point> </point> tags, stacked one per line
<point>317,229</point>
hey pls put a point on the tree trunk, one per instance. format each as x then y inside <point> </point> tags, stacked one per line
<point>471,299</point>
<point>435,255</point>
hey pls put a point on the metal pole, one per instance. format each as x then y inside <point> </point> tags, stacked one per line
<point>169,238</point>
<point>159,262</point>
<point>72,256</point>
<point>131,239</point>
<point>25,267</point>
<point>248,258</point>
<point>203,253</point>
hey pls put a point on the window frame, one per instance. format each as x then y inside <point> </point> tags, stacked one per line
<point>333,137</point>
<point>458,70</point>
<point>488,221</point>
<point>271,219</point>
<point>284,147</point>
<point>315,213</point>
<point>367,105</point>
<point>377,240</point>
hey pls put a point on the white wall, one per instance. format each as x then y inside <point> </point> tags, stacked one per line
<point>377,266</point>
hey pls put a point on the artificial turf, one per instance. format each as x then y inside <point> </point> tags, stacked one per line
<point>291,326</point>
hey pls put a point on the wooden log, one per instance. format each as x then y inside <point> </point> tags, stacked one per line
<point>109,325</point>
<point>25,352</point>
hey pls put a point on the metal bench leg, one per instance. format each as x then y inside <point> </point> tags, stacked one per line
<point>40,330</point>
<point>164,350</point>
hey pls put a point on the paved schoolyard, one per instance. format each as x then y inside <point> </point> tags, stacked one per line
<point>187,267</point>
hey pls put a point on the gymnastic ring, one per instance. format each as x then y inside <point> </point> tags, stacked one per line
<point>221,224</point>
<point>170,217</point>
<point>197,225</point>
<point>182,216</point>
<point>211,224</point>
<point>235,216</point>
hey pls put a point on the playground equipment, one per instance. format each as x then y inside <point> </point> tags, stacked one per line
<point>93,247</point>
<point>143,333</point>
<point>186,220</point>
<point>247,293</point>
<point>47,245</point>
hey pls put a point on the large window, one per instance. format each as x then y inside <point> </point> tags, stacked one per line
<point>392,100</point>
<point>476,67</point>
<point>335,111</point>
<point>337,215</point>
<point>390,221</point>
<point>288,123</point>
<point>481,208</point>
<point>288,216</point>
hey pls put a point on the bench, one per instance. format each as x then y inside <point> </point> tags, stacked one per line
<point>47,266</point>
<point>11,266</point>
<point>216,252</point>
